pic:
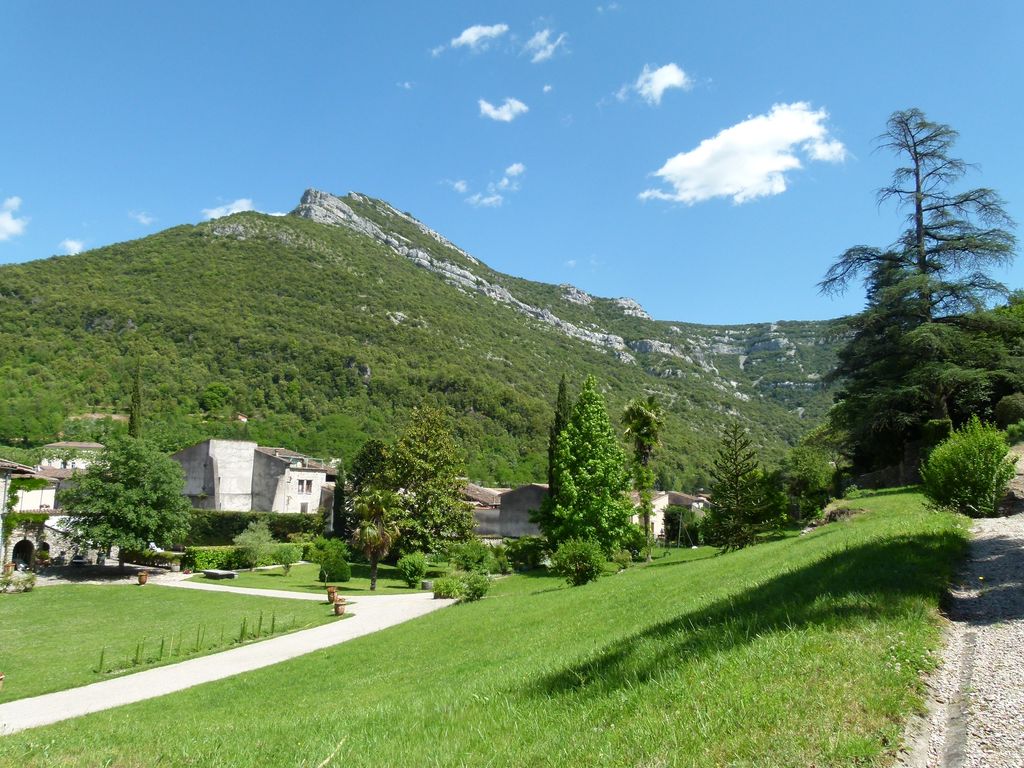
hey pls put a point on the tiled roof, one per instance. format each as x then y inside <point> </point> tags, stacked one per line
<point>77,446</point>
<point>13,466</point>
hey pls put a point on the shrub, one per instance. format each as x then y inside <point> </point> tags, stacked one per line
<point>526,553</point>
<point>578,560</point>
<point>1009,410</point>
<point>471,555</point>
<point>474,586</point>
<point>17,582</point>
<point>255,544</point>
<point>412,567</point>
<point>934,431</point>
<point>970,470</point>
<point>288,555</point>
<point>623,559</point>
<point>635,542</point>
<point>206,558</point>
<point>1015,433</point>
<point>499,557</point>
<point>332,557</point>
<point>449,587</point>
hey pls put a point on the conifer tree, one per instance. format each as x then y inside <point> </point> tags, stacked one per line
<point>643,420</point>
<point>591,478</point>
<point>563,408</point>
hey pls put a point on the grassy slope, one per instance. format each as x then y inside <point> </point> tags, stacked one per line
<point>50,638</point>
<point>804,651</point>
<point>303,578</point>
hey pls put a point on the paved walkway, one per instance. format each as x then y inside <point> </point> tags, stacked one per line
<point>370,614</point>
<point>226,587</point>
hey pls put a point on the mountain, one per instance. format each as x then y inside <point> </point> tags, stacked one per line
<point>327,326</point>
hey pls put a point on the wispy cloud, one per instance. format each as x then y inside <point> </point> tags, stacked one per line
<point>11,225</point>
<point>571,263</point>
<point>542,47</point>
<point>405,85</point>
<point>485,201</point>
<point>750,159</point>
<point>477,38</point>
<point>235,206</point>
<point>71,247</point>
<point>652,83</point>
<point>548,88</point>
<point>506,113</point>
<point>145,219</point>
<point>608,8</point>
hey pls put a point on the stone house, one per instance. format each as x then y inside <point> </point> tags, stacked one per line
<point>241,476</point>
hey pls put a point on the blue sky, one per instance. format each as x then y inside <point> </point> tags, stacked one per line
<point>708,162</point>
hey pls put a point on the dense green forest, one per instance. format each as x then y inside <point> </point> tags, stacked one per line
<point>323,336</point>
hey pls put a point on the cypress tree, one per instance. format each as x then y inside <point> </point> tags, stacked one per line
<point>563,408</point>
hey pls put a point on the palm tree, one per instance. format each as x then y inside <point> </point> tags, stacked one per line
<point>376,527</point>
<point>643,420</point>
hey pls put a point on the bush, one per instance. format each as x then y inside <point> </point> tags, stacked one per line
<point>287,555</point>
<point>255,544</point>
<point>526,553</point>
<point>471,555</point>
<point>448,587</point>
<point>17,582</point>
<point>412,567</point>
<point>207,558</point>
<point>969,472</point>
<point>635,542</point>
<point>499,557</point>
<point>474,586</point>
<point>332,557</point>
<point>1009,410</point>
<point>579,561</point>
<point>1015,433</point>
<point>623,559</point>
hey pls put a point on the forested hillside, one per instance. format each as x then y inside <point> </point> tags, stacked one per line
<point>327,326</point>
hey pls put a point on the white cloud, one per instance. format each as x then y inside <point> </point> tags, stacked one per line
<point>750,159</point>
<point>506,113</point>
<point>542,47</point>
<point>571,263</point>
<point>548,88</point>
<point>479,36</point>
<point>236,206</point>
<point>437,50</point>
<point>516,169</point>
<point>405,85</point>
<point>145,219</point>
<point>485,201</point>
<point>71,247</point>
<point>460,186</point>
<point>652,83</point>
<point>11,225</point>
<point>609,7</point>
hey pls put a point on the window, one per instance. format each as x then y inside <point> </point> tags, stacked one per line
<point>305,486</point>
<point>304,508</point>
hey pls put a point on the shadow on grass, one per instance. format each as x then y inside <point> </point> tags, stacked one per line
<point>876,580</point>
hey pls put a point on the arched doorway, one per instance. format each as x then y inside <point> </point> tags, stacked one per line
<point>22,553</point>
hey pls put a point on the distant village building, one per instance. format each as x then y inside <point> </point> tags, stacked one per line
<point>241,476</point>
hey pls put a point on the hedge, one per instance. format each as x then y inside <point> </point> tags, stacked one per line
<point>211,528</point>
<point>230,559</point>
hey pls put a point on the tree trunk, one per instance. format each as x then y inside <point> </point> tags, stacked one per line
<point>373,574</point>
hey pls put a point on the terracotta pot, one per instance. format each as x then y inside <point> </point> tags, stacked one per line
<point>332,594</point>
<point>339,607</point>
<point>143,577</point>
<point>1,681</point>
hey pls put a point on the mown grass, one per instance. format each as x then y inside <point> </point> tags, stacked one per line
<point>52,638</point>
<point>303,578</point>
<point>803,651</point>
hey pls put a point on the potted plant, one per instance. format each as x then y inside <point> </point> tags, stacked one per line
<point>339,606</point>
<point>332,594</point>
<point>143,577</point>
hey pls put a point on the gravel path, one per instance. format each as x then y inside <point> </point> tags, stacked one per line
<point>976,717</point>
<point>370,615</point>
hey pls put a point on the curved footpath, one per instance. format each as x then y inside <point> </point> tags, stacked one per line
<point>370,615</point>
<point>976,711</point>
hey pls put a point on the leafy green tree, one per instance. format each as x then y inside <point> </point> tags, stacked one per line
<point>377,531</point>
<point>593,480</point>
<point>370,467</point>
<point>427,467</point>
<point>563,408</point>
<point>744,501</point>
<point>255,544</point>
<point>129,496</point>
<point>643,420</point>
<point>808,475</point>
<point>911,356</point>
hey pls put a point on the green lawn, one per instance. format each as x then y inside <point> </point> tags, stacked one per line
<point>303,578</point>
<point>51,638</point>
<point>803,651</point>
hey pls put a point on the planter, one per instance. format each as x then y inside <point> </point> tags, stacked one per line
<point>175,566</point>
<point>332,594</point>
<point>427,584</point>
<point>143,577</point>
<point>1,681</point>
<point>339,607</point>
<point>8,569</point>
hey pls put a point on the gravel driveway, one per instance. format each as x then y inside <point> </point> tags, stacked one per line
<point>976,716</point>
